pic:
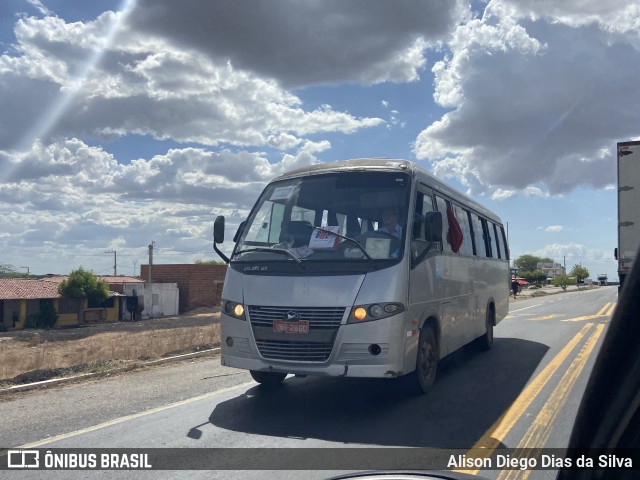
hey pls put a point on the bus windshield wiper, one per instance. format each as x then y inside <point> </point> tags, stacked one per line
<point>272,250</point>
<point>346,238</point>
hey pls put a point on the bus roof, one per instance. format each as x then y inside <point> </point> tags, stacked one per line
<point>391,165</point>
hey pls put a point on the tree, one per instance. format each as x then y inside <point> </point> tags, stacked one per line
<point>537,276</point>
<point>7,270</point>
<point>563,281</point>
<point>84,284</point>
<point>579,272</point>
<point>46,318</point>
<point>529,263</point>
<point>208,262</point>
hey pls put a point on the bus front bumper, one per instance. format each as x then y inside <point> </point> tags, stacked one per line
<point>375,351</point>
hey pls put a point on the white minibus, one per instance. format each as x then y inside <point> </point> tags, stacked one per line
<point>361,268</point>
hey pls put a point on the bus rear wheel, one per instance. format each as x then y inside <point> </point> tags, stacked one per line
<point>486,341</point>
<point>269,379</point>
<point>424,376</point>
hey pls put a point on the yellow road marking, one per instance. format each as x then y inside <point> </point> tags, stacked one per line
<point>546,317</point>
<point>494,436</point>
<point>581,319</point>
<point>126,418</point>
<point>605,311</point>
<point>611,309</point>
<point>538,433</point>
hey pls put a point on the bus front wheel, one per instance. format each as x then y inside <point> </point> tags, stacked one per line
<point>268,378</point>
<point>424,376</point>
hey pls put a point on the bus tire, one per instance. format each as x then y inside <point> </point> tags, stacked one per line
<point>424,376</point>
<point>269,379</point>
<point>486,340</point>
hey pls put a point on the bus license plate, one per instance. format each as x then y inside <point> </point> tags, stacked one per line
<point>300,327</point>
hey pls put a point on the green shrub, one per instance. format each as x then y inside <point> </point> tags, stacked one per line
<point>48,315</point>
<point>45,319</point>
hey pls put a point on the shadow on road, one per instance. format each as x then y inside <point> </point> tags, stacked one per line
<point>472,391</point>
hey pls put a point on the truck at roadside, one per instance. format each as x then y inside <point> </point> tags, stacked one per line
<point>628,211</point>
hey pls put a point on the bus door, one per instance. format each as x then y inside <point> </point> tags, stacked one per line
<point>422,275</point>
<point>459,296</point>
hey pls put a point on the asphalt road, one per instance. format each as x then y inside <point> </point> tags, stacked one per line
<point>524,392</point>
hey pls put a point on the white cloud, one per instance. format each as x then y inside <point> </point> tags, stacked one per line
<point>79,200</point>
<point>538,99</point>
<point>556,228</point>
<point>40,7</point>
<point>308,42</point>
<point>147,86</point>
<point>573,253</point>
<point>613,15</point>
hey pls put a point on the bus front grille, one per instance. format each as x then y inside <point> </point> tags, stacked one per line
<point>303,351</point>
<point>318,317</point>
<point>314,346</point>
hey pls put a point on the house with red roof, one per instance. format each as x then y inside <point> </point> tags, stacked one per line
<point>21,300</point>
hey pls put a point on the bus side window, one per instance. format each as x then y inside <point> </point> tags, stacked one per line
<point>424,204</point>
<point>487,237</point>
<point>480,245</point>
<point>463,220</point>
<point>442,207</point>
<point>498,241</point>
<point>492,239</point>
<point>504,242</point>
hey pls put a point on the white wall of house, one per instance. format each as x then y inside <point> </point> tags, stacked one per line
<point>160,299</point>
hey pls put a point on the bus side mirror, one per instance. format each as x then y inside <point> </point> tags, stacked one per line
<point>615,253</point>
<point>433,226</point>
<point>218,236</point>
<point>218,229</point>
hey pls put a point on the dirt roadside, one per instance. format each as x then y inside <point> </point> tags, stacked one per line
<point>34,355</point>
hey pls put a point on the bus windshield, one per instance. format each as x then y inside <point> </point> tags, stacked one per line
<point>338,217</point>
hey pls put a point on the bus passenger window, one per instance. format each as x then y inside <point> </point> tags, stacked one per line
<point>424,204</point>
<point>503,239</point>
<point>480,248</point>
<point>486,235</point>
<point>492,239</point>
<point>466,248</point>
<point>496,235</point>
<point>442,207</point>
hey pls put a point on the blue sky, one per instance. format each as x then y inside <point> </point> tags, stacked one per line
<point>127,122</point>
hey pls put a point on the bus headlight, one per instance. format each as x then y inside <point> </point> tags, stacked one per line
<point>233,309</point>
<point>374,311</point>
<point>359,313</point>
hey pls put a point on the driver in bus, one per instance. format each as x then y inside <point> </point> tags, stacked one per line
<point>392,227</point>
<point>390,222</point>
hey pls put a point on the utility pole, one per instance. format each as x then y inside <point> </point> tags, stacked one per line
<point>27,270</point>
<point>115,261</point>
